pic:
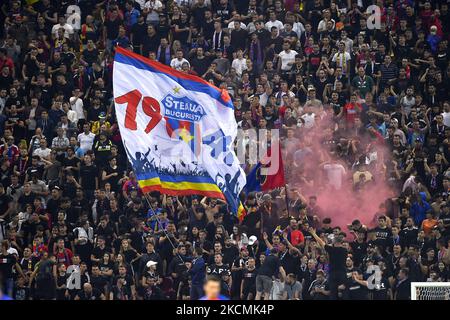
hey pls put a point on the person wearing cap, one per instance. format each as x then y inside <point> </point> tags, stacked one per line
<point>252,241</point>
<point>433,38</point>
<point>150,271</point>
<point>102,124</point>
<point>222,63</point>
<point>263,96</point>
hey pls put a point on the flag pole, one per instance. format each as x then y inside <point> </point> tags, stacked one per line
<point>262,222</point>
<point>160,225</point>
<point>261,216</point>
<point>286,198</point>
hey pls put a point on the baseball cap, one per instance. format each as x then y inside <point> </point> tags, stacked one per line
<point>151,263</point>
<point>433,29</point>
<point>311,88</point>
<point>252,240</point>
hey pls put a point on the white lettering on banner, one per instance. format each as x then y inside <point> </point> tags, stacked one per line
<point>374,280</point>
<point>74,280</point>
<point>183,115</point>
<point>74,16</point>
<point>374,18</point>
<point>253,145</point>
<point>180,105</point>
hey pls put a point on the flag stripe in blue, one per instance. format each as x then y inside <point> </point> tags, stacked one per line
<point>187,84</point>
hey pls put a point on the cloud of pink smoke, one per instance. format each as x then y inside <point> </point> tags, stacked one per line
<point>323,146</point>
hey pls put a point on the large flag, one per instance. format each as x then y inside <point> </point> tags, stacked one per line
<point>178,130</point>
<point>258,181</point>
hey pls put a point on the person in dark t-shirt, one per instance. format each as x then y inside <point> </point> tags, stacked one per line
<point>268,269</point>
<point>248,284</point>
<point>337,257</point>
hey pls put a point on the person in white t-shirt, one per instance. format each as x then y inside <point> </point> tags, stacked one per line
<point>43,152</point>
<point>273,22</point>
<point>298,28</point>
<point>77,105</point>
<point>323,23</point>
<point>178,61</point>
<point>86,138</point>
<point>408,101</point>
<point>240,63</point>
<point>152,9</point>
<point>446,114</point>
<point>68,30</point>
<point>72,115</point>
<point>287,57</point>
<point>309,118</point>
<point>342,59</point>
<point>237,18</point>
<point>335,173</point>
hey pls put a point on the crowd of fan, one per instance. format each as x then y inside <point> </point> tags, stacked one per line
<point>74,223</point>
